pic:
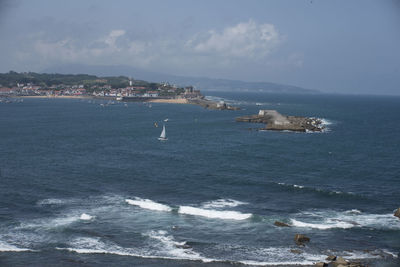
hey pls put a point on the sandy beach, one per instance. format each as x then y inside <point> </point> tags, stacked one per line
<point>172,101</point>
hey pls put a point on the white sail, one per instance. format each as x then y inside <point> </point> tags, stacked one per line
<point>163,135</point>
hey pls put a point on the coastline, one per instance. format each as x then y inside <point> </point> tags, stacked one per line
<point>59,96</point>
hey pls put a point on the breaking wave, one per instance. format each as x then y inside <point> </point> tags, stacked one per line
<point>148,204</point>
<point>328,224</point>
<point>86,217</point>
<point>214,214</point>
<point>324,220</point>
<point>166,247</point>
<point>222,203</point>
<point>5,247</point>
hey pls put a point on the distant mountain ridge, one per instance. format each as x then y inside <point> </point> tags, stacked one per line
<point>201,83</point>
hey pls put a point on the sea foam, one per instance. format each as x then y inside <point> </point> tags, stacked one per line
<point>214,214</point>
<point>148,204</point>
<point>324,220</point>
<point>322,226</point>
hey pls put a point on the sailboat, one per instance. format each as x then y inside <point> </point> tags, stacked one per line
<point>163,135</point>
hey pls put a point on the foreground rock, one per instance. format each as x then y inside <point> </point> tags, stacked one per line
<point>278,122</point>
<point>301,239</point>
<point>339,262</point>
<point>397,213</point>
<point>211,104</point>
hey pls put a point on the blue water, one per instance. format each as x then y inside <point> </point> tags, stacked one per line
<point>206,197</point>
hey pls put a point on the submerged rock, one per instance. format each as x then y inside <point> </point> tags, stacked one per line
<point>296,251</point>
<point>300,239</point>
<point>320,264</point>
<point>281,224</point>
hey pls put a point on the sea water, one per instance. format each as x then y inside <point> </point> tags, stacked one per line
<point>89,184</point>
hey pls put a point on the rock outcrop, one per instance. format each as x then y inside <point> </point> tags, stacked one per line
<point>278,122</point>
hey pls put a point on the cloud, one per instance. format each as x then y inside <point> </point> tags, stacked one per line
<point>194,54</point>
<point>112,37</point>
<point>244,40</point>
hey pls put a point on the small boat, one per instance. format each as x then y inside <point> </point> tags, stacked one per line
<point>258,104</point>
<point>163,135</point>
<point>166,119</point>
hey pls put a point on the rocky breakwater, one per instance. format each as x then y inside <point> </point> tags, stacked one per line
<point>211,104</point>
<point>278,122</point>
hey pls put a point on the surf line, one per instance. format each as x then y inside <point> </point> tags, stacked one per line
<point>188,210</point>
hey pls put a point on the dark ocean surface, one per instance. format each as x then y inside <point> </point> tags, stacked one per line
<point>87,185</point>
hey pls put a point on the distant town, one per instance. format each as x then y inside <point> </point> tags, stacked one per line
<point>120,88</point>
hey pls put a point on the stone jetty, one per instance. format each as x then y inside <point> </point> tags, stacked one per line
<point>278,122</point>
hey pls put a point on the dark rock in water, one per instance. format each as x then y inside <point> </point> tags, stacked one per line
<point>278,122</point>
<point>320,264</point>
<point>296,251</point>
<point>397,213</point>
<point>331,258</point>
<point>301,238</point>
<point>281,224</point>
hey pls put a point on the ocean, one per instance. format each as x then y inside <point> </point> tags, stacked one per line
<point>84,184</point>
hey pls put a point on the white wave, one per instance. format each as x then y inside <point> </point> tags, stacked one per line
<point>221,203</point>
<point>4,247</point>
<point>270,256</point>
<point>169,248</point>
<point>323,226</point>
<point>148,204</point>
<point>353,211</point>
<point>391,253</point>
<point>174,248</point>
<point>86,217</point>
<point>214,214</point>
<point>276,263</point>
<point>325,122</point>
<point>366,254</point>
<point>347,219</point>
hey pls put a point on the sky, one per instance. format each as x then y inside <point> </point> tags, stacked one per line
<point>341,46</point>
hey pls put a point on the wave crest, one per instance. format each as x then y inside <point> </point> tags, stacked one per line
<point>148,204</point>
<point>214,214</point>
